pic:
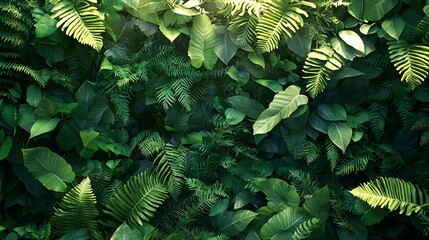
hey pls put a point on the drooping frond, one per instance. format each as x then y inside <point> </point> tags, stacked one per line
<point>280,18</point>
<point>410,61</point>
<point>139,198</point>
<point>422,29</point>
<point>76,210</point>
<point>243,30</point>
<point>148,142</point>
<point>378,113</point>
<point>332,154</point>
<point>304,229</point>
<point>404,107</point>
<point>81,20</point>
<point>234,8</point>
<point>393,193</point>
<point>318,66</point>
<point>312,152</point>
<point>355,164</point>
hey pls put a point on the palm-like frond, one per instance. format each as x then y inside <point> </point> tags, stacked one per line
<point>318,66</point>
<point>234,8</point>
<point>304,229</point>
<point>139,198</point>
<point>81,20</point>
<point>76,210</point>
<point>356,164</point>
<point>281,17</point>
<point>410,61</point>
<point>393,193</point>
<point>422,29</point>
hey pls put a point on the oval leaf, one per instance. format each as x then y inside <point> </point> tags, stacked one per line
<point>43,125</point>
<point>233,223</point>
<point>340,134</point>
<point>283,105</point>
<point>49,168</point>
<point>371,10</point>
<point>246,105</point>
<point>283,225</point>
<point>394,26</point>
<point>352,39</point>
<point>332,112</point>
<point>225,48</point>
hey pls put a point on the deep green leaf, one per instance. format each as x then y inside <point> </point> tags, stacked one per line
<point>5,147</point>
<point>26,117</point>
<point>234,117</point>
<point>34,95</point>
<point>45,26</point>
<point>332,112</point>
<point>283,225</point>
<point>394,26</point>
<point>233,223</point>
<point>49,168</point>
<point>340,134</point>
<point>43,125</point>
<point>371,10</point>
<point>246,105</point>
<point>279,194</point>
<point>225,48</point>
<point>76,234</point>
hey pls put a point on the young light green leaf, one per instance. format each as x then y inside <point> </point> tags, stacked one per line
<point>340,134</point>
<point>352,39</point>
<point>43,125</point>
<point>49,168</point>
<point>394,26</point>
<point>202,43</point>
<point>283,105</point>
<point>233,223</point>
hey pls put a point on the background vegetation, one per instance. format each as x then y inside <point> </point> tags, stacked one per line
<point>214,119</point>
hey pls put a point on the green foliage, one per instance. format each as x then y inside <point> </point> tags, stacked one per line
<point>81,20</point>
<point>137,200</point>
<point>76,210</point>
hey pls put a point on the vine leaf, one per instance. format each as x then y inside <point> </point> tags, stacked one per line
<point>49,168</point>
<point>202,43</point>
<point>283,105</point>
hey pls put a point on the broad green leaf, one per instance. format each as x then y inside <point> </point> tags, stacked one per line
<point>76,234</point>
<point>246,105</point>
<point>126,232</point>
<point>85,94</point>
<point>43,125</point>
<point>46,107</point>
<point>9,115</point>
<point>368,29</point>
<point>202,43</point>
<point>5,147</point>
<point>26,117</point>
<point>283,225</point>
<point>34,95</point>
<point>319,124</point>
<point>342,48</point>
<point>49,168</point>
<point>275,86</point>
<point>88,136</point>
<point>256,59</point>
<point>219,207</point>
<point>242,199</point>
<point>233,116</point>
<point>45,26</point>
<point>233,223</point>
<point>371,10</point>
<point>394,26</point>
<point>283,105</point>
<point>421,94</point>
<point>318,204</point>
<point>300,43</point>
<point>145,10</point>
<point>340,134</point>
<point>225,48</point>
<point>295,141</point>
<point>358,232</point>
<point>352,39</point>
<point>357,135</point>
<point>170,32</point>
<point>279,194</point>
<point>332,112</point>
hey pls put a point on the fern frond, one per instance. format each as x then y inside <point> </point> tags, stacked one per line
<point>404,106</point>
<point>234,8</point>
<point>149,142</point>
<point>281,17</point>
<point>203,190</point>
<point>421,124</point>
<point>80,20</point>
<point>76,210</point>
<point>318,66</point>
<point>378,113</point>
<point>356,164</point>
<point>422,29</point>
<point>332,154</point>
<point>312,152</point>
<point>120,98</point>
<point>424,138</point>
<point>410,61</point>
<point>393,193</point>
<point>304,230</point>
<point>140,197</point>
<point>303,182</point>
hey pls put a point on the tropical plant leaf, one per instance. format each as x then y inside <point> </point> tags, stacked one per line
<point>410,61</point>
<point>283,225</point>
<point>279,194</point>
<point>246,105</point>
<point>202,43</point>
<point>48,167</point>
<point>225,48</point>
<point>81,20</point>
<point>5,147</point>
<point>371,10</point>
<point>318,204</point>
<point>304,230</point>
<point>280,18</point>
<point>340,134</point>
<point>43,125</point>
<point>283,105</point>
<point>137,201</point>
<point>352,39</point>
<point>233,223</point>
<point>394,26</point>
<point>393,193</point>
<point>76,210</point>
